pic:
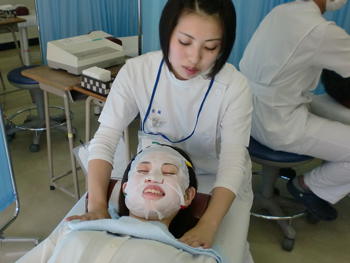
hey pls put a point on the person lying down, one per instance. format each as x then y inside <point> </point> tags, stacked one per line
<point>157,189</point>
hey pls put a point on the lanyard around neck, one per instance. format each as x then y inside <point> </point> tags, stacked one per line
<point>151,101</point>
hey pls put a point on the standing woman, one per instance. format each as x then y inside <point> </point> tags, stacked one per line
<point>187,96</point>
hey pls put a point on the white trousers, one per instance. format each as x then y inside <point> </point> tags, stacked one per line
<point>331,143</point>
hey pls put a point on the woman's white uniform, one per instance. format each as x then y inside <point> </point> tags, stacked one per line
<point>218,144</point>
<point>283,61</point>
<point>224,122</point>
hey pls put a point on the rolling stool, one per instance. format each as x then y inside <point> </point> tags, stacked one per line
<point>269,199</point>
<point>33,122</point>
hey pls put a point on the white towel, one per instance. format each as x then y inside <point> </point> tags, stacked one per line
<point>148,230</point>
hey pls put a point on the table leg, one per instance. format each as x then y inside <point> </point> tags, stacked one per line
<point>91,100</point>
<point>71,146</point>
<point>24,45</point>
<point>46,88</point>
<point>87,118</point>
<point>48,137</point>
<point>10,29</point>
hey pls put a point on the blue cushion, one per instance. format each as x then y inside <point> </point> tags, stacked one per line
<point>15,76</point>
<point>260,151</point>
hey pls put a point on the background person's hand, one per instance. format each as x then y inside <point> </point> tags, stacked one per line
<point>91,215</point>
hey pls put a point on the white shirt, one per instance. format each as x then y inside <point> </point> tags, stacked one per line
<point>283,61</point>
<point>223,127</point>
<point>66,245</point>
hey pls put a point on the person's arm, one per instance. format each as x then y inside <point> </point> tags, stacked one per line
<point>333,49</point>
<point>235,132</point>
<point>120,109</point>
<point>102,150</point>
<point>204,232</point>
<point>231,175</point>
<point>98,180</point>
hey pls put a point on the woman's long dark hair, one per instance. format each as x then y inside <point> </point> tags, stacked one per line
<point>184,219</point>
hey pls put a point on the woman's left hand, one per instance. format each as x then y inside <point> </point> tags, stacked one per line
<point>204,232</point>
<point>201,235</point>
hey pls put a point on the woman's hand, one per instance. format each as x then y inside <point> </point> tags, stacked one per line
<point>91,215</point>
<point>204,232</point>
<point>201,235</point>
<point>98,178</point>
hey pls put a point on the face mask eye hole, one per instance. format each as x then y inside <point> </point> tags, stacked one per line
<point>144,168</point>
<point>169,169</point>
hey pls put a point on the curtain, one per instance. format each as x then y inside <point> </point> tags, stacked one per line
<point>58,19</point>
<point>249,15</point>
<point>7,190</point>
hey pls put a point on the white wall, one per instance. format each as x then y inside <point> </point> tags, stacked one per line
<point>32,31</point>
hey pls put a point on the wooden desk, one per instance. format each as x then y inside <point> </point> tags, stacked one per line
<point>9,25</point>
<point>10,22</point>
<point>60,83</point>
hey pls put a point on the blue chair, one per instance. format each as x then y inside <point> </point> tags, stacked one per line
<point>32,122</point>
<point>269,198</point>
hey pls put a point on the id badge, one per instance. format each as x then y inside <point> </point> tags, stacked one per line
<point>146,140</point>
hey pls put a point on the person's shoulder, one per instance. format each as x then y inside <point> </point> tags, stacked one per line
<point>229,75</point>
<point>143,64</point>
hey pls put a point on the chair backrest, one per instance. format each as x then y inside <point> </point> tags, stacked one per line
<point>200,202</point>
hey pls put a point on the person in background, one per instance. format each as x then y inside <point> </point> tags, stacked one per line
<point>188,96</point>
<point>283,62</point>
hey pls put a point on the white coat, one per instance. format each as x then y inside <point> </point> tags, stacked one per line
<point>283,62</point>
<point>223,125</point>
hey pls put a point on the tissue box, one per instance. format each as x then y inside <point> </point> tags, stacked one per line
<point>7,11</point>
<point>96,85</point>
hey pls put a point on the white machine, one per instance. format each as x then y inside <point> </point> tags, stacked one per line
<point>75,54</point>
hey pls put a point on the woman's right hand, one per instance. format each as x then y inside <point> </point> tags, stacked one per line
<point>95,214</point>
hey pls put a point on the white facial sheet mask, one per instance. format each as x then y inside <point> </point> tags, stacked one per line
<point>335,5</point>
<point>174,186</point>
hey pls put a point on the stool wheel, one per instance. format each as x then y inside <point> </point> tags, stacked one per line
<point>312,219</point>
<point>52,187</point>
<point>287,173</point>
<point>276,191</point>
<point>10,137</point>
<point>34,148</point>
<point>288,244</point>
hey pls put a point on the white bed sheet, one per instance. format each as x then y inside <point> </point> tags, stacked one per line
<point>232,234</point>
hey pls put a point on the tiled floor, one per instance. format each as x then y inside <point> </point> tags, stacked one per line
<point>42,209</point>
